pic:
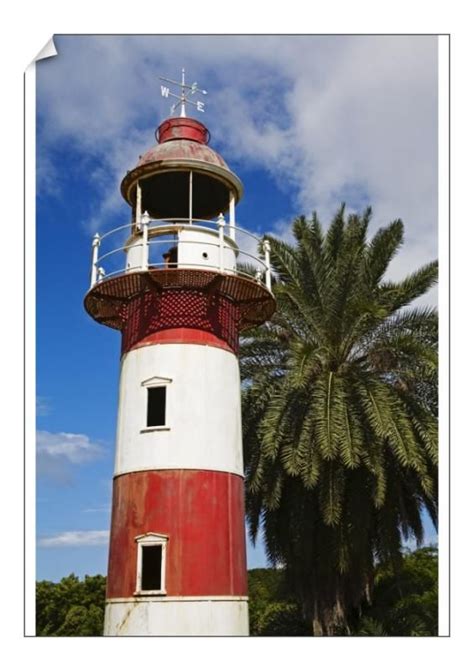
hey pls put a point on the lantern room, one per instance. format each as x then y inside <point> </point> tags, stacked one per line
<point>181,176</point>
<point>183,197</point>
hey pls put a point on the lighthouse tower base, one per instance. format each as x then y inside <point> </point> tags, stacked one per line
<point>177,546</point>
<point>185,616</point>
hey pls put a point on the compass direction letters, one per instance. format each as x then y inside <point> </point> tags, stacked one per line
<point>183,99</point>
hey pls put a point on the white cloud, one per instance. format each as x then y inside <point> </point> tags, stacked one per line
<point>74,447</point>
<point>75,538</point>
<point>58,453</point>
<point>349,118</point>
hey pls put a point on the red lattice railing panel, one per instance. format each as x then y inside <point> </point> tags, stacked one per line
<point>151,312</point>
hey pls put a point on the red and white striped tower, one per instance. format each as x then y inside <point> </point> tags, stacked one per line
<point>171,284</point>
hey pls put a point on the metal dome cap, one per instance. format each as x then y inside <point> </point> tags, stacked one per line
<point>163,173</point>
<point>182,128</point>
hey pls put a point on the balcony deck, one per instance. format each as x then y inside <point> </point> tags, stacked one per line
<point>246,284</point>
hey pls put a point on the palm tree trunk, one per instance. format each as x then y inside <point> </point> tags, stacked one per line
<point>330,620</point>
<point>317,627</point>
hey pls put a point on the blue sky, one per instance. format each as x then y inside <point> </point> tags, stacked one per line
<point>304,121</point>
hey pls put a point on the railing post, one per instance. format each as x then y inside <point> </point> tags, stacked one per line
<point>221,224</point>
<point>145,220</point>
<point>268,274</point>
<point>190,197</point>
<point>138,204</point>
<point>232,216</point>
<point>95,257</point>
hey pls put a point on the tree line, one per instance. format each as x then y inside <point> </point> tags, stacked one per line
<point>405,603</point>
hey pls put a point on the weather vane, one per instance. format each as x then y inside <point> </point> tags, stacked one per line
<point>187,90</point>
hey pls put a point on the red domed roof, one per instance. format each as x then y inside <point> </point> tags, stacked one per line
<point>182,149</point>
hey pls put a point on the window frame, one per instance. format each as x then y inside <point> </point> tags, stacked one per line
<point>148,540</point>
<point>151,383</point>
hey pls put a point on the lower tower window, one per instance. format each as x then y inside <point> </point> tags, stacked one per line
<point>152,557</point>
<point>151,564</point>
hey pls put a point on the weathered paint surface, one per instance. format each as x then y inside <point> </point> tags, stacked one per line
<point>177,618</point>
<point>181,149</point>
<point>203,414</point>
<point>202,513</point>
<point>184,128</point>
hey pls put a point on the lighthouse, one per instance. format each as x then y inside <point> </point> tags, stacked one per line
<point>181,280</point>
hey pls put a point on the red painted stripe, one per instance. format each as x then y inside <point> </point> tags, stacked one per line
<point>202,512</point>
<point>183,335</point>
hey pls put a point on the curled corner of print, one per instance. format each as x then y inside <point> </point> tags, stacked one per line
<point>47,51</point>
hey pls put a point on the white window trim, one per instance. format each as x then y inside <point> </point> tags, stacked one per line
<point>155,381</point>
<point>150,539</point>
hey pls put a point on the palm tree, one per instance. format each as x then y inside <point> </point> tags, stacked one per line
<point>339,406</point>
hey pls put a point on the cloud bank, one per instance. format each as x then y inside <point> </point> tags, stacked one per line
<point>331,119</point>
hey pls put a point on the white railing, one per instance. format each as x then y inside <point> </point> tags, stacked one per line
<point>148,236</point>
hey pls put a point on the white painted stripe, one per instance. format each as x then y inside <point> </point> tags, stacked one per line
<point>182,617</point>
<point>202,410</point>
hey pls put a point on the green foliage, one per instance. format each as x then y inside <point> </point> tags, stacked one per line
<point>71,607</point>
<point>340,413</point>
<point>370,627</point>
<point>405,601</point>
<point>283,619</point>
<point>272,612</point>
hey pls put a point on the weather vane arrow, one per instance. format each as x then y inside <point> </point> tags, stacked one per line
<point>187,90</point>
